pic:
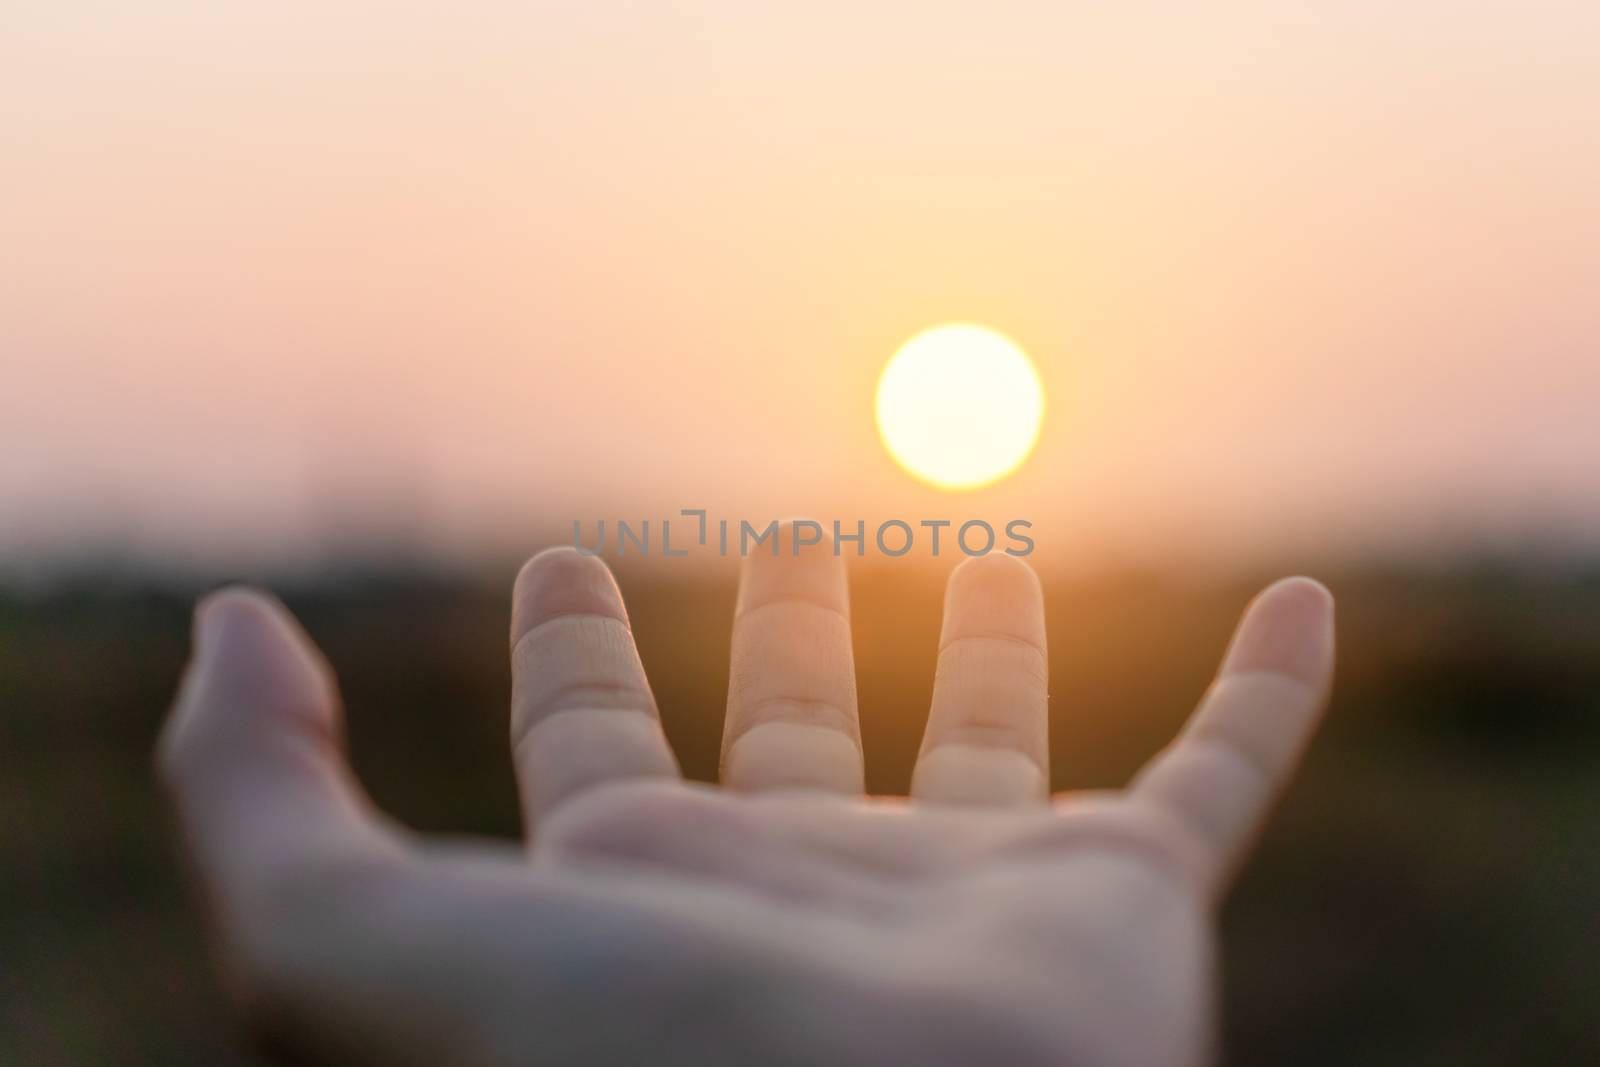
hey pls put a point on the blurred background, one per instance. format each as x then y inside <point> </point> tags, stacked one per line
<point>367,303</point>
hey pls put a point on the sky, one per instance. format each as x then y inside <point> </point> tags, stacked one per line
<point>277,279</point>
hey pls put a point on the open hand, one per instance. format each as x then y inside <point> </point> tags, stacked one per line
<point>782,918</point>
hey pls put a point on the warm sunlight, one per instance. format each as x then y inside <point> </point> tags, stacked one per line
<point>960,406</point>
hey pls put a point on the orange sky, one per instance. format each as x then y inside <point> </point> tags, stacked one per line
<point>1322,277</point>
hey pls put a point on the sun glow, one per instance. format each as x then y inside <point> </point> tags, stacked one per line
<point>959,406</point>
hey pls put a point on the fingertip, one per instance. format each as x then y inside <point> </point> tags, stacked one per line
<point>1303,589</point>
<point>241,625</point>
<point>799,562</point>
<point>994,594</point>
<point>563,581</point>
<point>994,573</point>
<point>1287,628</point>
<point>252,664</point>
<point>228,607</point>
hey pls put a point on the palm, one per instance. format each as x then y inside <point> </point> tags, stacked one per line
<point>1083,928</point>
<point>782,918</point>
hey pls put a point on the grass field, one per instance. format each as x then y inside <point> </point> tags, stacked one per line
<point>1427,895</point>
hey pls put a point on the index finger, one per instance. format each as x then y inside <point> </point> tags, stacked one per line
<point>582,714</point>
<point>1222,774</point>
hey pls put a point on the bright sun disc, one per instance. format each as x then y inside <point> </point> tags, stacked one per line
<point>959,406</point>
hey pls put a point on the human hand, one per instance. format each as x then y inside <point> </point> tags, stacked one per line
<point>783,918</point>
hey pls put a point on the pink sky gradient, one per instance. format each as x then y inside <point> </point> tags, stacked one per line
<point>1324,277</point>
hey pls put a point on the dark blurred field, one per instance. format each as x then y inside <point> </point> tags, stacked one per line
<point>1430,893</point>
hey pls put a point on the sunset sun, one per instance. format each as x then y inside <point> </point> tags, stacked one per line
<point>959,406</point>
